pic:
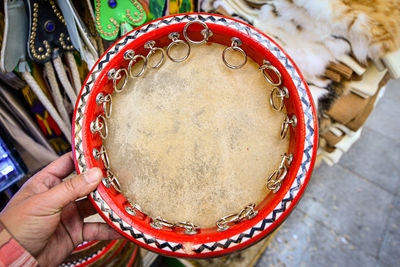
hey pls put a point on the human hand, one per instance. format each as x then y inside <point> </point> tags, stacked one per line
<point>45,218</point>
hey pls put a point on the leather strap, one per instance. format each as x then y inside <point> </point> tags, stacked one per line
<point>47,30</point>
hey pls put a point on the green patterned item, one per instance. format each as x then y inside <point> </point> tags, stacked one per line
<point>157,8</point>
<point>113,16</point>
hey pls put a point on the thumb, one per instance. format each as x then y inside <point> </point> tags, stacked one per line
<point>69,190</point>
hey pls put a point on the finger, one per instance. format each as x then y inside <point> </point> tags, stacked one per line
<point>85,208</point>
<point>47,178</point>
<point>61,167</point>
<point>69,190</point>
<point>99,231</point>
<point>52,175</point>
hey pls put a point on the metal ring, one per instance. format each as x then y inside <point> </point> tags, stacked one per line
<point>159,222</point>
<point>102,154</point>
<point>135,206</point>
<point>253,214</point>
<point>234,48</point>
<point>248,212</point>
<point>130,55</point>
<point>130,210</point>
<point>153,51</point>
<point>107,103</point>
<point>107,111</point>
<point>105,159</point>
<point>190,228</point>
<point>115,75</point>
<point>106,182</point>
<point>98,126</point>
<point>205,32</point>
<point>285,125</point>
<point>279,174</point>
<point>289,159</point>
<point>274,184</point>
<point>278,93</point>
<point>177,42</point>
<point>268,66</point>
<point>114,181</point>
<point>222,223</point>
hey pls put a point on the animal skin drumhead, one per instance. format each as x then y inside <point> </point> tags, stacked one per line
<point>195,141</point>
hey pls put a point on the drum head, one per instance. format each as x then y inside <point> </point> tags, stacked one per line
<point>234,124</point>
<point>189,142</point>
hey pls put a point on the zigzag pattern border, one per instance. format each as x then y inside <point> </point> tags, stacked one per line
<point>80,261</point>
<point>308,148</point>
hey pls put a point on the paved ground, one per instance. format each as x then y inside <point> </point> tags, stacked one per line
<point>350,213</point>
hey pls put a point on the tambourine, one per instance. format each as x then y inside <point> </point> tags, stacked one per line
<point>206,133</point>
<point>100,253</point>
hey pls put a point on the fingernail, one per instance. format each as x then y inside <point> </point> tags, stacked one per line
<point>92,175</point>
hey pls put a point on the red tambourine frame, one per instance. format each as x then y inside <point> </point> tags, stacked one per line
<point>271,211</point>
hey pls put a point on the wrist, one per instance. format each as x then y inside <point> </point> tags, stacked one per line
<point>12,252</point>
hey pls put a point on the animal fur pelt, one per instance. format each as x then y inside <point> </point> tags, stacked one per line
<point>315,33</point>
<point>372,27</point>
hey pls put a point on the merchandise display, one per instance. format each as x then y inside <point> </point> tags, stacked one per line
<point>104,253</point>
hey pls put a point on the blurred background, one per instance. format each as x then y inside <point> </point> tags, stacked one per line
<point>348,52</point>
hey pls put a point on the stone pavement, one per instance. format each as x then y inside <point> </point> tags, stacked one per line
<point>350,213</point>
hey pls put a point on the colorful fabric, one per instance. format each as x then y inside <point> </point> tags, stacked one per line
<point>181,6</point>
<point>12,254</point>
<point>113,17</point>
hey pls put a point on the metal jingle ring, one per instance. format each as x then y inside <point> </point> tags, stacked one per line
<point>115,75</point>
<point>177,42</point>
<point>289,159</point>
<point>223,227</point>
<point>268,66</point>
<point>285,125</point>
<point>102,154</point>
<point>107,103</point>
<point>153,51</point>
<point>205,32</point>
<point>222,223</point>
<point>114,181</point>
<point>133,59</point>
<point>159,222</point>
<point>190,228</point>
<point>129,54</point>
<point>135,206</point>
<point>106,182</point>
<point>248,212</point>
<point>107,111</point>
<point>105,159</point>
<point>235,48</point>
<point>275,188</point>
<point>278,92</point>
<point>273,184</point>
<point>97,126</point>
<point>253,214</point>
<point>280,174</point>
<point>130,210</point>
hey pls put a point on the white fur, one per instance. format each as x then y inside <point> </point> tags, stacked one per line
<point>312,48</point>
<point>324,25</point>
<point>317,93</point>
